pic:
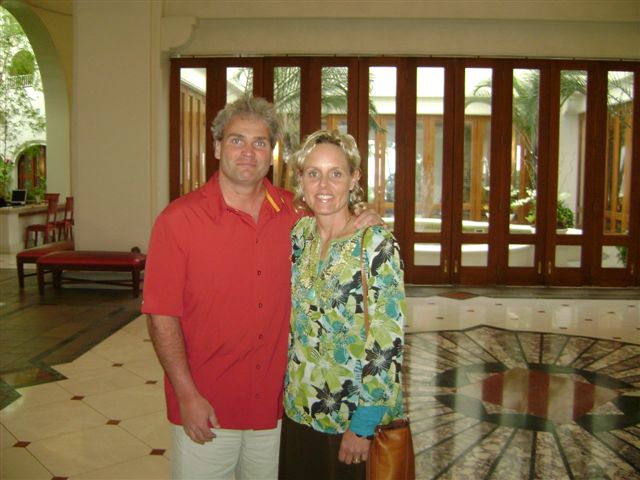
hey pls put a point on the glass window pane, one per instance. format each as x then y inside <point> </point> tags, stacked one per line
<point>426,254</point>
<point>382,141</point>
<point>239,82</point>
<point>193,94</point>
<point>614,256</point>
<point>571,154</point>
<point>286,97</point>
<point>477,144</point>
<point>521,255</point>
<point>618,166</point>
<point>334,100</point>
<point>524,151</point>
<point>568,256</point>
<point>429,148</point>
<point>474,254</point>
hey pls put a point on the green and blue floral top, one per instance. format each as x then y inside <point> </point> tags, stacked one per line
<point>331,371</point>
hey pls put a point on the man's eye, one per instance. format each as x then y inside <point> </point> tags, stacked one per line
<point>235,140</point>
<point>260,144</point>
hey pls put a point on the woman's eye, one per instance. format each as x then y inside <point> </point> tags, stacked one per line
<point>336,174</point>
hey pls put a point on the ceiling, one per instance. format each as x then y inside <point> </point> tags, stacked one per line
<point>64,7</point>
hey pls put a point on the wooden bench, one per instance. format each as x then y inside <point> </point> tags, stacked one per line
<point>58,262</point>
<point>31,255</point>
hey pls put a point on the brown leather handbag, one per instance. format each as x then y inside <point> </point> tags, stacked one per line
<point>391,454</point>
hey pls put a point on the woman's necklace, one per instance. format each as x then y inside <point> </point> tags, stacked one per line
<point>324,243</point>
<point>344,228</point>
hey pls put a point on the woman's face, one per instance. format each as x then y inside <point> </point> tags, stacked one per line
<point>327,180</point>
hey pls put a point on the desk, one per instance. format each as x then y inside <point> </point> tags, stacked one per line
<point>14,220</point>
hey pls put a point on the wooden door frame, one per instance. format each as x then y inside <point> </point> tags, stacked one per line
<point>527,275</point>
<point>628,275</point>
<point>498,237</point>
<point>475,275</point>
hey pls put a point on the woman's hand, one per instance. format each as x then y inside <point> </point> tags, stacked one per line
<point>353,449</point>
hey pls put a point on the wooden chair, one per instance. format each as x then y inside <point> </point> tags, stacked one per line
<point>48,229</point>
<point>51,196</point>
<point>64,227</point>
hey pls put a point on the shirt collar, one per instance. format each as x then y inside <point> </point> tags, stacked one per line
<point>217,205</point>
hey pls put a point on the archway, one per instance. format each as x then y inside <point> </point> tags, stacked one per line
<point>55,94</point>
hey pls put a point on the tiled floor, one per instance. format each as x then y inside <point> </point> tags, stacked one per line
<point>500,387</point>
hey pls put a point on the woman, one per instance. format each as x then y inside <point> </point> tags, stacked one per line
<point>338,387</point>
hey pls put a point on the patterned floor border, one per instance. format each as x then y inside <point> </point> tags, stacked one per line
<point>487,402</point>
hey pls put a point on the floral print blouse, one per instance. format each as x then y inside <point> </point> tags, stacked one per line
<point>331,370</point>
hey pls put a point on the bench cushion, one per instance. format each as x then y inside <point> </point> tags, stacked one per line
<point>30,255</point>
<point>95,259</point>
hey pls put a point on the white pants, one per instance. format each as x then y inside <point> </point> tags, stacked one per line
<point>247,454</point>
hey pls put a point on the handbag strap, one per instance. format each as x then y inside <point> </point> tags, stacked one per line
<point>365,306</point>
<point>365,290</point>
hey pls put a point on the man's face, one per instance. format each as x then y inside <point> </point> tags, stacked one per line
<point>244,151</point>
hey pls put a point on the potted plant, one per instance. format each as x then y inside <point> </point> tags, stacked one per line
<point>6,168</point>
<point>564,216</point>
<point>39,189</point>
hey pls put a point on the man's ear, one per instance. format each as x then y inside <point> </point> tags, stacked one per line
<point>217,146</point>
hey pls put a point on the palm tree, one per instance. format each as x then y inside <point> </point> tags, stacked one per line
<point>286,97</point>
<point>526,101</point>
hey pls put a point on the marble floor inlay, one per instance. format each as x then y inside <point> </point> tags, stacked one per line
<point>489,402</point>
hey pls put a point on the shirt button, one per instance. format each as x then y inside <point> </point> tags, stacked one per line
<point>258,367</point>
<point>260,305</point>
<point>259,272</point>
<point>260,337</point>
<point>258,396</point>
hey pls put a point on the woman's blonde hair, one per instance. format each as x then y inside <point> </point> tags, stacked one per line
<point>347,144</point>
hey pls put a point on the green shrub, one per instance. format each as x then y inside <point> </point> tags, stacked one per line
<point>564,215</point>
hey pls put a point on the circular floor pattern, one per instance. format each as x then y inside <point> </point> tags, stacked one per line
<point>493,403</point>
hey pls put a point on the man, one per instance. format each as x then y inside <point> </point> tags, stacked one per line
<point>217,292</point>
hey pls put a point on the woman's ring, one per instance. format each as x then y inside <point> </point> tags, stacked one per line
<point>356,460</point>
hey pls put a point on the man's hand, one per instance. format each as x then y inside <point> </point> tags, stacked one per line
<point>353,449</point>
<point>196,412</point>
<point>366,216</point>
<point>198,417</point>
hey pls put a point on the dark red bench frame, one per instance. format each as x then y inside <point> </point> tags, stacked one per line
<point>31,255</point>
<point>58,262</point>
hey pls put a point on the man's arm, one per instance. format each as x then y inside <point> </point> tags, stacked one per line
<point>196,412</point>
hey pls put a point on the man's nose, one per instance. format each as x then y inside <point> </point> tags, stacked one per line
<point>248,149</point>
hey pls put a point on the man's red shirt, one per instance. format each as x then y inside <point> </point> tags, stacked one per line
<point>228,280</point>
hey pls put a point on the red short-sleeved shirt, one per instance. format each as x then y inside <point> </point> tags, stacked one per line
<point>228,280</point>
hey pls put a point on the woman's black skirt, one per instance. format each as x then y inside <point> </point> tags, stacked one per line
<point>309,455</point>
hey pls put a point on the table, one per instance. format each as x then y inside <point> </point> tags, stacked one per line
<point>14,220</point>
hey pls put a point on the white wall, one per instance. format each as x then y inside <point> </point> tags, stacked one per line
<point>532,28</point>
<point>114,111</point>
